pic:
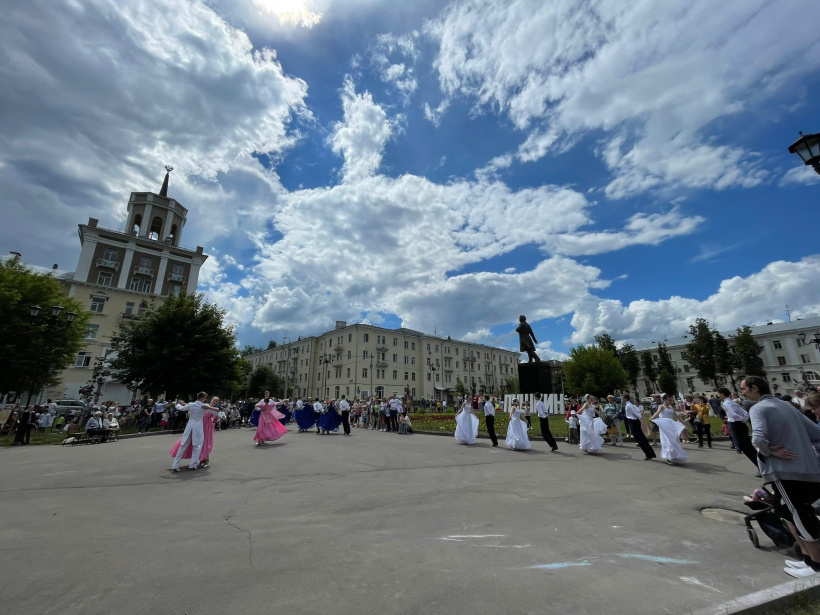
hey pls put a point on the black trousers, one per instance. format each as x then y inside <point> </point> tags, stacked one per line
<point>798,496</point>
<point>490,422</point>
<point>705,428</point>
<point>23,435</point>
<point>346,421</point>
<point>545,431</point>
<point>740,433</point>
<point>640,438</point>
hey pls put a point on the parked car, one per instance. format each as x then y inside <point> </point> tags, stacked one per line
<point>70,407</point>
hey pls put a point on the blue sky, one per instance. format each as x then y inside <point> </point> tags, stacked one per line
<point>597,165</point>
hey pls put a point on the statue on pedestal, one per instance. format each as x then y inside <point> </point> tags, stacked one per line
<point>527,339</point>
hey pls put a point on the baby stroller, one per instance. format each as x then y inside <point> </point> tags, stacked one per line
<point>769,512</point>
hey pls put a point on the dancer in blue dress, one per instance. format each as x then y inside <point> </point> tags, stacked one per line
<point>330,419</point>
<point>305,416</point>
<point>284,408</point>
<point>254,422</point>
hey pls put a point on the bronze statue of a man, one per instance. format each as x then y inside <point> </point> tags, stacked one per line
<point>527,339</point>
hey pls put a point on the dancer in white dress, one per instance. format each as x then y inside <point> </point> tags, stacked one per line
<point>591,425</point>
<point>517,438</point>
<point>466,424</point>
<point>670,429</point>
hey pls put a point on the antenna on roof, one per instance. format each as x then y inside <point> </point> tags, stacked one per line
<point>788,313</point>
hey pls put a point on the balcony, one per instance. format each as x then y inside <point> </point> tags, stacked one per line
<point>175,277</point>
<point>381,363</point>
<point>381,346</point>
<point>338,348</point>
<point>448,353</point>
<point>125,316</point>
<point>143,271</point>
<point>108,264</point>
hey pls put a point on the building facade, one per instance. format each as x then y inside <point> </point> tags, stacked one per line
<point>790,358</point>
<point>364,360</point>
<point>119,274</point>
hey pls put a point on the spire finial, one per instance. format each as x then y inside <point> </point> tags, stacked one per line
<point>164,190</point>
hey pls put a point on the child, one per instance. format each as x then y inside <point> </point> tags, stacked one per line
<point>164,420</point>
<point>573,428</point>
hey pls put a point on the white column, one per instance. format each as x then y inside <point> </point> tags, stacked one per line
<point>193,276</point>
<point>163,265</point>
<point>145,227</point>
<point>125,272</point>
<point>86,258</point>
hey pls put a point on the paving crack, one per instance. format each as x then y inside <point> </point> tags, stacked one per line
<point>227,519</point>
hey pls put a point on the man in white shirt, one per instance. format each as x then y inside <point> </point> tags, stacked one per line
<point>344,406</point>
<point>159,408</point>
<point>489,419</point>
<point>633,416</point>
<point>193,434</point>
<point>318,409</point>
<point>544,419</point>
<point>395,408</point>
<point>736,418</point>
<point>800,398</point>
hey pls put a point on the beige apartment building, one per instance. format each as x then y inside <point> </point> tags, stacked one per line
<point>120,273</point>
<point>361,360</point>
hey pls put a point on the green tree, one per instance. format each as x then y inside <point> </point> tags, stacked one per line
<point>628,358</point>
<point>460,389</point>
<point>180,347</point>
<point>605,341</point>
<point>748,352</point>
<point>271,344</point>
<point>649,371</point>
<point>249,350</point>
<point>665,360</point>
<point>726,362</point>
<point>263,379</point>
<point>557,382</point>
<point>35,350</point>
<point>591,369</point>
<point>92,388</point>
<point>668,383</point>
<point>513,385</point>
<point>239,384</point>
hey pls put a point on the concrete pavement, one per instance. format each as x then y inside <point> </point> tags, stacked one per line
<point>373,523</point>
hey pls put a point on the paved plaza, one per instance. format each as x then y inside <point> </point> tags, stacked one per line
<point>373,523</point>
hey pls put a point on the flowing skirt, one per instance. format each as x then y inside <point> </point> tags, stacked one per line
<point>305,417</point>
<point>254,418</point>
<point>207,441</point>
<point>269,428</point>
<point>671,449</point>
<point>329,421</point>
<point>591,432</point>
<point>466,428</point>
<point>286,414</point>
<point>517,438</point>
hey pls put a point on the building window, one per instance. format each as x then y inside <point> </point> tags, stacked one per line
<point>348,354</point>
<point>804,358</point>
<point>412,345</point>
<point>110,254</point>
<point>364,372</point>
<point>395,358</point>
<point>348,372</point>
<point>437,378</point>
<point>97,305</point>
<point>91,332</point>
<point>412,360</point>
<point>104,278</point>
<point>365,354</point>
<point>407,360</point>
<point>395,374</point>
<point>406,345</point>
<point>428,347</point>
<point>174,290</point>
<point>129,308</point>
<point>145,261</point>
<point>413,377</point>
<point>777,345</point>
<point>366,337</point>
<point>781,360</point>
<point>436,347</point>
<point>395,341</point>
<point>134,285</point>
<point>685,367</point>
<point>428,378</point>
<point>456,364</point>
<point>146,286</point>
<point>178,269</point>
<point>349,337</point>
<point>83,359</point>
<point>143,308</point>
<point>787,377</point>
<point>406,376</point>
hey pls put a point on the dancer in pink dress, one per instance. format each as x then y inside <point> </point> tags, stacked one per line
<point>207,442</point>
<point>269,428</point>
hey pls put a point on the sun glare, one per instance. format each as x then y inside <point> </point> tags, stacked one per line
<point>291,12</point>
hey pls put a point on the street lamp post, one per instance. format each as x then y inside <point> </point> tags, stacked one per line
<point>49,322</point>
<point>324,360</point>
<point>433,369</point>
<point>287,362</point>
<point>808,148</point>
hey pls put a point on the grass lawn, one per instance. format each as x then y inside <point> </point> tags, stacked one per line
<point>800,605</point>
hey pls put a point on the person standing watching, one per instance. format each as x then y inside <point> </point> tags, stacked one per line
<point>633,416</point>
<point>788,444</point>
<point>489,419</point>
<point>344,406</point>
<point>737,417</point>
<point>544,419</point>
<point>702,421</point>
